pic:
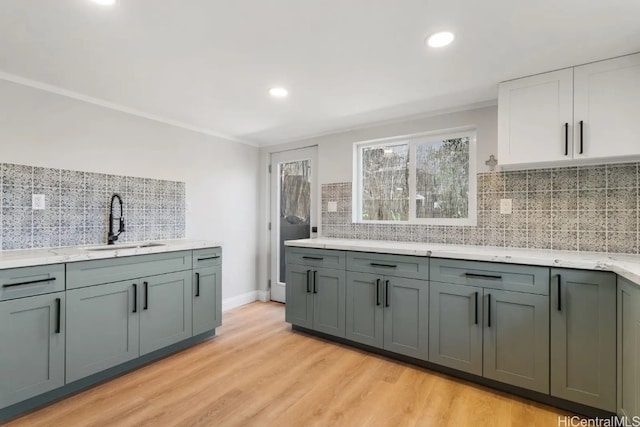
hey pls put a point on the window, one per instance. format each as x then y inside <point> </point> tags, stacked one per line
<point>423,179</point>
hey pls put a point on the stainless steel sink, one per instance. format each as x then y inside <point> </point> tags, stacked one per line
<point>118,247</point>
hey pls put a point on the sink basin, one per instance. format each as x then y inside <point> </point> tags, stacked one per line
<point>118,247</point>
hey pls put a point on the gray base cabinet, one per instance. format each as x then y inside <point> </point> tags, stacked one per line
<point>583,338</point>
<point>364,312</point>
<point>207,299</point>
<point>455,326</point>
<point>628,348</point>
<point>32,333</point>
<point>299,307</point>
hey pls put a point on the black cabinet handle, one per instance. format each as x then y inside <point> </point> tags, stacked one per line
<point>375,264</point>
<point>314,258</point>
<point>566,139</point>
<point>308,281</point>
<point>489,311</point>
<point>59,315</point>
<point>386,294</point>
<point>315,279</point>
<point>377,291</point>
<point>209,257</point>
<point>581,136</point>
<point>10,285</point>
<point>559,293</point>
<point>483,276</point>
<point>135,298</point>
<point>146,295</point>
<point>197,284</point>
<point>475,304</point>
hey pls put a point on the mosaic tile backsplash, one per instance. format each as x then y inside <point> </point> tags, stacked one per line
<point>590,208</point>
<point>76,207</point>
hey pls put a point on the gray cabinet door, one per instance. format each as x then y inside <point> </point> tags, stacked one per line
<point>32,332</point>
<point>364,313</point>
<point>583,336</point>
<point>299,305</point>
<point>628,348</point>
<point>329,292</point>
<point>406,320</point>
<point>166,316</point>
<point>455,326</point>
<point>102,327</point>
<point>207,299</point>
<point>516,339</point>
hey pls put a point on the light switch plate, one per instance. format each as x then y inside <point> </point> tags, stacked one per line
<point>506,206</point>
<point>37,201</point>
<point>332,207</point>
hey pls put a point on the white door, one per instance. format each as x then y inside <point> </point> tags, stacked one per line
<point>293,207</point>
<point>607,102</point>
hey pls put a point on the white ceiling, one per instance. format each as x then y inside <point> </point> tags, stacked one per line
<point>208,64</point>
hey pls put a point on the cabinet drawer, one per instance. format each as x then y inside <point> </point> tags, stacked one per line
<point>511,277</point>
<point>412,267</point>
<point>88,273</point>
<point>208,257</point>
<point>28,281</point>
<point>326,258</point>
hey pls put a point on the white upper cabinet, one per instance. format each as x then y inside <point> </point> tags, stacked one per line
<point>535,116</point>
<point>584,114</point>
<point>607,103</point>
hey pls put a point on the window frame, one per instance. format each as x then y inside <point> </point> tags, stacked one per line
<point>412,141</point>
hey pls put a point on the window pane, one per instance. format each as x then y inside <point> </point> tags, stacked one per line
<point>442,179</point>
<point>385,183</point>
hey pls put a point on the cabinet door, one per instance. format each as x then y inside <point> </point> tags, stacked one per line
<point>406,311</point>
<point>364,313</point>
<point>102,327</point>
<point>583,326</point>
<point>329,292</point>
<point>516,339</point>
<point>166,316</point>
<point>299,299</point>
<point>32,332</point>
<point>628,348</point>
<point>607,101</point>
<point>455,326</point>
<point>207,299</point>
<point>532,113</point>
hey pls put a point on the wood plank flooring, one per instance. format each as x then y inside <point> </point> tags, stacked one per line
<point>257,372</point>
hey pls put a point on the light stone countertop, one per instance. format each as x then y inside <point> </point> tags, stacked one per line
<point>31,257</point>
<point>627,266</point>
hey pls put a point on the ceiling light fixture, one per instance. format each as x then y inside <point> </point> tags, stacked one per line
<point>440,39</point>
<point>278,92</point>
<point>104,2</point>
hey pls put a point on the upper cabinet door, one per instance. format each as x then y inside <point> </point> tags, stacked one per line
<point>535,116</point>
<point>607,102</point>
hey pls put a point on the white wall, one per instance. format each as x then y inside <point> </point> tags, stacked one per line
<point>335,156</point>
<point>39,128</point>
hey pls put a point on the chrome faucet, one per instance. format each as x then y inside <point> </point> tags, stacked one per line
<point>111,238</point>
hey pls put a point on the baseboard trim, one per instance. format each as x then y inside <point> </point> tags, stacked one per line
<point>264,296</point>
<point>242,299</point>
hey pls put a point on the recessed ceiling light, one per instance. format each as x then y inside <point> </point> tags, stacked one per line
<point>104,2</point>
<point>440,39</point>
<point>278,92</point>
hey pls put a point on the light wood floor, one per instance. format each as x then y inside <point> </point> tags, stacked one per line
<point>257,372</point>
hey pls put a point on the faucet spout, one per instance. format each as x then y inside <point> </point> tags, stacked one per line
<point>112,237</point>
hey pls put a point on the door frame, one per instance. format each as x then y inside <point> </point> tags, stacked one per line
<point>277,290</point>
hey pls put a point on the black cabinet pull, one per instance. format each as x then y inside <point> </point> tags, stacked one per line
<point>197,284</point>
<point>566,139</point>
<point>146,295</point>
<point>483,276</point>
<point>386,294</point>
<point>475,305</point>
<point>209,257</point>
<point>559,293</point>
<point>308,281</point>
<point>489,311</point>
<point>315,279</point>
<point>377,291</point>
<point>375,264</point>
<point>581,136</point>
<point>59,315</point>
<point>135,298</point>
<point>9,285</point>
<point>314,258</point>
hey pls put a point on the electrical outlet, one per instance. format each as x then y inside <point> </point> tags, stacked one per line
<point>37,201</point>
<point>332,206</point>
<point>505,206</point>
